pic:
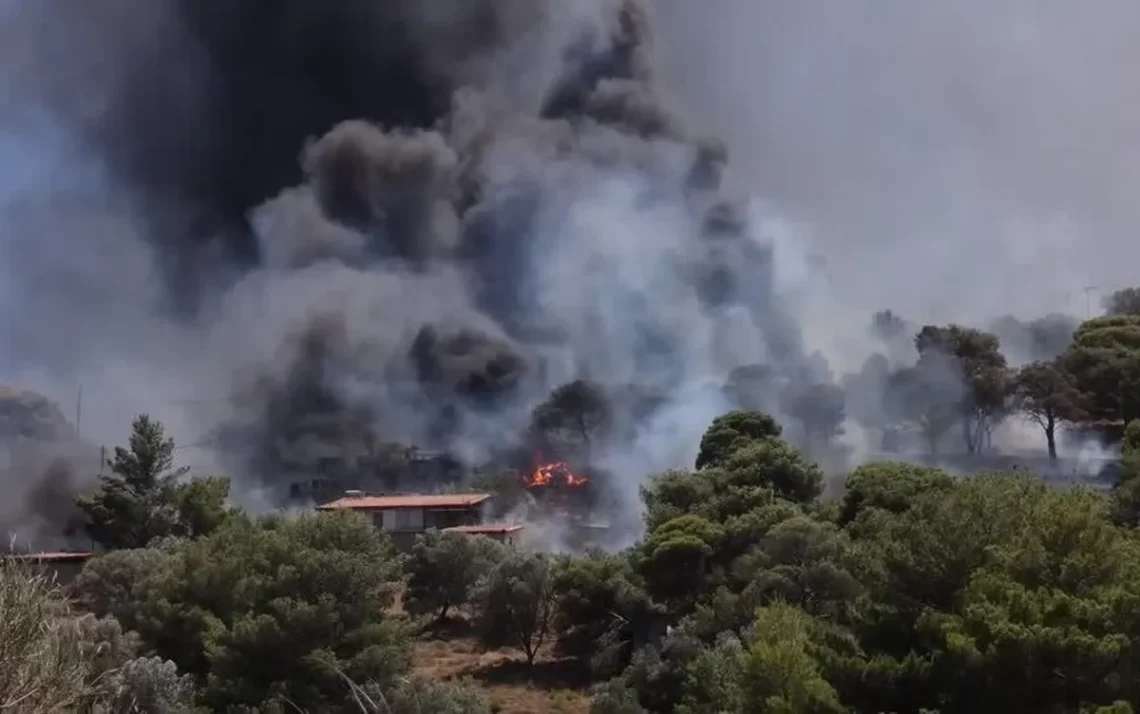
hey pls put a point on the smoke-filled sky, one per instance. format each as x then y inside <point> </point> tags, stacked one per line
<point>420,217</point>
<point>954,159</point>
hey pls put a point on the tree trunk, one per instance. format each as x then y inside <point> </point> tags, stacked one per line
<point>971,439</point>
<point>933,439</point>
<point>1051,437</point>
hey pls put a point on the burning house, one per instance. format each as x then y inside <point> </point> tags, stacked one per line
<point>567,500</point>
<point>555,474</point>
<point>557,485</point>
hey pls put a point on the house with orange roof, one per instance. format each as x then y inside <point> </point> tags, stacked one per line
<point>404,516</point>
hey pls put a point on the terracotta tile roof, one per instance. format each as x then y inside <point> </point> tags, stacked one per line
<point>369,503</point>
<point>56,557</point>
<point>488,529</point>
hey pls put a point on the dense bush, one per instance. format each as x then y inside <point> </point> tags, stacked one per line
<point>443,570</point>
<point>515,603</point>
<point>53,659</point>
<point>263,612</point>
<point>914,592</point>
<point>420,695</point>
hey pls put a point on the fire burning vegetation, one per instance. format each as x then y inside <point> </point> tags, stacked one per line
<point>555,473</point>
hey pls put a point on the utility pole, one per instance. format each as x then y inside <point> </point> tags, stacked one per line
<point>1088,299</point>
<point>78,410</point>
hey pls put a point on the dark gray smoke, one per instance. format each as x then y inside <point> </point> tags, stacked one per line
<point>42,464</point>
<point>380,222</point>
<point>455,273</point>
<point>297,233</point>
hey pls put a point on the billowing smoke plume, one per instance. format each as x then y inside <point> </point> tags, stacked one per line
<point>438,281</point>
<point>409,222</point>
<point>41,463</point>
<point>295,232</point>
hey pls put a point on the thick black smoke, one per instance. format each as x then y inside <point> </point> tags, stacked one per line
<point>408,221</point>
<point>38,446</point>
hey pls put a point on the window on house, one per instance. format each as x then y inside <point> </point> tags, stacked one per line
<point>407,519</point>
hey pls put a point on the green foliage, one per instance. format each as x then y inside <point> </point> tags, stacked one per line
<point>152,684</point>
<point>990,580</point>
<point>890,486</point>
<point>806,563</point>
<point>1130,452</point>
<point>777,465</point>
<point>1104,360</point>
<point>700,556</point>
<point>915,592</point>
<point>675,493</point>
<point>142,499</point>
<point>1056,597</point>
<point>279,610</point>
<point>505,487</point>
<point>925,397</point>
<point>757,473</point>
<point>658,674</point>
<point>734,431</point>
<point>819,408</point>
<point>922,593</point>
<point>678,561</point>
<point>575,415</point>
<point>420,695</point>
<point>1047,394</point>
<point>961,372</point>
<point>781,672</point>
<point>516,602</point>
<point>603,610</point>
<point>201,504</point>
<point>118,583</point>
<point>1126,494</point>
<point>443,569</point>
<point>925,556</point>
<point>1123,302</point>
<point>713,680</point>
<point>614,697</point>
<point>1130,444</point>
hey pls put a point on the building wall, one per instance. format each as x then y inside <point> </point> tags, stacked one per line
<point>402,525</point>
<point>448,518</point>
<point>64,572</point>
<point>402,519</point>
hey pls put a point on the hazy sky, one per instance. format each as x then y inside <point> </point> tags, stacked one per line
<point>951,160</point>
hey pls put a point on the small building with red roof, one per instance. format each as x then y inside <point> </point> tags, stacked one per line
<point>63,566</point>
<point>404,516</point>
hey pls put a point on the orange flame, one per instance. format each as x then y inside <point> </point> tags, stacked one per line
<point>552,473</point>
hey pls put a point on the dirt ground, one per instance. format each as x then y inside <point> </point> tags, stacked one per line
<point>552,687</point>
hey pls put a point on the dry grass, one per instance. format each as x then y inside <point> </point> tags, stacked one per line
<point>51,660</point>
<point>552,687</point>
